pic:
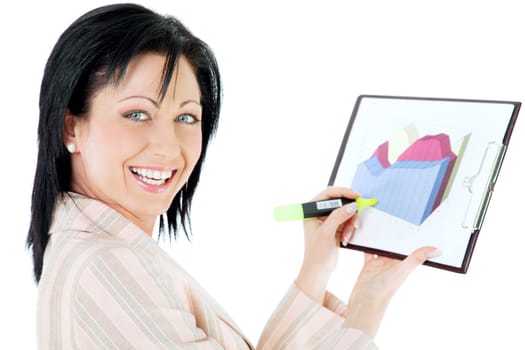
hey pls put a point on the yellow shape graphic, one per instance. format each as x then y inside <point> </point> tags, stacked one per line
<point>401,141</point>
<point>458,148</point>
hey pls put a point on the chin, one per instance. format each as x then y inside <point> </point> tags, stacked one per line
<point>144,207</point>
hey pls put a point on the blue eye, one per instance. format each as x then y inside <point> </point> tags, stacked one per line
<point>137,116</point>
<point>187,119</point>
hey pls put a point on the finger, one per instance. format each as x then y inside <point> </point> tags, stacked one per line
<point>347,237</point>
<point>348,230</point>
<point>418,257</point>
<point>335,192</point>
<point>369,257</point>
<point>337,218</point>
<point>351,224</point>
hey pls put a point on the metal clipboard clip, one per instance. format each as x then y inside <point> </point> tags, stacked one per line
<point>481,185</point>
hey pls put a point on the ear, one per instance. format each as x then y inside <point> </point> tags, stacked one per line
<point>68,134</point>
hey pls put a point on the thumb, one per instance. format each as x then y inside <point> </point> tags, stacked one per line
<point>418,257</point>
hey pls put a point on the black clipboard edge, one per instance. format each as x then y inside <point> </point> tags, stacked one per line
<point>474,235</point>
<point>510,127</point>
<point>462,269</point>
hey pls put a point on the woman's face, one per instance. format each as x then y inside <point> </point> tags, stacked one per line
<point>133,151</point>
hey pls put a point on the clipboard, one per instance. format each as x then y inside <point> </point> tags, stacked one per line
<point>432,164</point>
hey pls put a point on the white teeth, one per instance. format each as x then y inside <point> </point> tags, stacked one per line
<point>152,182</point>
<point>154,177</point>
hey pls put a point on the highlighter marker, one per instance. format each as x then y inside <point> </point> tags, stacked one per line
<point>318,208</point>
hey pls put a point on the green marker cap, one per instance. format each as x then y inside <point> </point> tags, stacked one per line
<point>289,212</point>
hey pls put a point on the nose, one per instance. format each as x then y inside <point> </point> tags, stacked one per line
<point>164,142</point>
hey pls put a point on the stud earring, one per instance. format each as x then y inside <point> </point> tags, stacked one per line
<point>71,147</point>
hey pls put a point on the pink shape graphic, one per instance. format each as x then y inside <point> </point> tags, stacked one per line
<point>382,154</point>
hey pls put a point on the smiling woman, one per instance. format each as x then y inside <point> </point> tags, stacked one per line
<point>128,103</point>
<point>98,67</point>
<point>134,151</point>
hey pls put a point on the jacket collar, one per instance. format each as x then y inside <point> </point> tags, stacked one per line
<point>77,212</point>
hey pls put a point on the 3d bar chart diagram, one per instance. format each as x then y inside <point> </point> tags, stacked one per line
<point>410,175</point>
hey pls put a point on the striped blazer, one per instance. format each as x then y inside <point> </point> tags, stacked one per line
<point>108,285</point>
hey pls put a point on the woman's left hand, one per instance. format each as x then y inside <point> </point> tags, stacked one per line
<point>378,281</point>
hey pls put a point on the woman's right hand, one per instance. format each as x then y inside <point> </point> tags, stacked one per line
<point>322,238</point>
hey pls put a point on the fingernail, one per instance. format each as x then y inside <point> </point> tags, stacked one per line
<point>357,224</point>
<point>351,208</point>
<point>347,238</point>
<point>433,253</point>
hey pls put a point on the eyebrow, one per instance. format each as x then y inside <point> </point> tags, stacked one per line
<point>190,101</point>
<point>156,104</point>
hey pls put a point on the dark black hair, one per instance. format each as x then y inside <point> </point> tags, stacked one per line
<point>94,51</point>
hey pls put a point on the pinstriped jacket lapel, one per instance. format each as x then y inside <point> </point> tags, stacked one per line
<point>80,213</point>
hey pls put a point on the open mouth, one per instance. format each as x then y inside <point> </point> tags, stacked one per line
<point>153,177</point>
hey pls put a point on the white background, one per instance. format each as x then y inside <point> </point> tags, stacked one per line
<point>292,71</point>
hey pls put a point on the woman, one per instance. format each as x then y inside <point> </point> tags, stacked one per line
<point>129,101</point>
